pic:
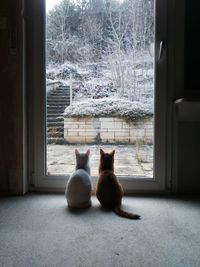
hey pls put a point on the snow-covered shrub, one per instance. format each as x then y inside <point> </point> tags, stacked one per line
<point>79,72</point>
<point>62,71</point>
<point>109,107</point>
<point>94,91</point>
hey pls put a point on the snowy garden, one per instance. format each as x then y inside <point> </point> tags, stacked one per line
<point>106,48</point>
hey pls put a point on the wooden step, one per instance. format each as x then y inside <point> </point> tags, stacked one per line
<point>50,119</point>
<point>55,129</point>
<point>55,124</point>
<point>55,135</point>
<point>56,140</point>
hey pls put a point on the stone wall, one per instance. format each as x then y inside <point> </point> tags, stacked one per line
<point>107,130</point>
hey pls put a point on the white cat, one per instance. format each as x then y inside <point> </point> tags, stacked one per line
<point>79,187</point>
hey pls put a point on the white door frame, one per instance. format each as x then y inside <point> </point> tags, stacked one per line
<point>40,180</point>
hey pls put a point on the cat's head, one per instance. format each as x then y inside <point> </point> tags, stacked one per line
<point>106,160</point>
<point>82,159</point>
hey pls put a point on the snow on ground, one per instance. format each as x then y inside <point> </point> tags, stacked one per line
<point>95,80</point>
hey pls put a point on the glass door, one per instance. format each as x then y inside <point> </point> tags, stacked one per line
<point>103,85</point>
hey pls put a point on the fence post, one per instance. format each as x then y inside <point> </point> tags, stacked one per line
<point>70,76</point>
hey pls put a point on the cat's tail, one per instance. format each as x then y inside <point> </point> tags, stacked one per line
<point>126,214</point>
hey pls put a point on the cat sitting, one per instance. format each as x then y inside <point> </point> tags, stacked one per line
<point>109,191</point>
<point>79,188</point>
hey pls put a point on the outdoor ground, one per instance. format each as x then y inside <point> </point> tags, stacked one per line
<point>130,160</point>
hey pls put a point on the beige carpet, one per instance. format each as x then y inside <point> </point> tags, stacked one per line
<point>38,230</point>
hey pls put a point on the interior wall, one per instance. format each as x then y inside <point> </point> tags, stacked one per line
<point>11,115</point>
<point>192,56</point>
<point>188,157</point>
<point>187,162</point>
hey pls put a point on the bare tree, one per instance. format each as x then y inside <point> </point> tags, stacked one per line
<point>118,25</point>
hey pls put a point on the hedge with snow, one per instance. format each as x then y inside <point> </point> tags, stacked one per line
<point>106,107</point>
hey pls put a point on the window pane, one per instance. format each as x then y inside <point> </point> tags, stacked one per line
<point>100,83</point>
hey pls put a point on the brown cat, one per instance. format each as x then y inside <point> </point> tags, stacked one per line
<point>109,191</point>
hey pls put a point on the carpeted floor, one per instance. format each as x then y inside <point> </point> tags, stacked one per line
<point>38,230</point>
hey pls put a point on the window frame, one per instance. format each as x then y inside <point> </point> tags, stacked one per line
<point>39,180</point>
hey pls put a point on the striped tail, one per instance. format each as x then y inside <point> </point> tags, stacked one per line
<point>126,214</point>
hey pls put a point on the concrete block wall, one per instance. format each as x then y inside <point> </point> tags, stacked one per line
<point>107,130</point>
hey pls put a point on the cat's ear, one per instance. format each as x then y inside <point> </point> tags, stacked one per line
<point>88,152</point>
<point>101,152</point>
<point>112,153</point>
<point>76,152</point>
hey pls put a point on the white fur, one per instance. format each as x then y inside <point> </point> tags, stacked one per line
<point>78,190</point>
